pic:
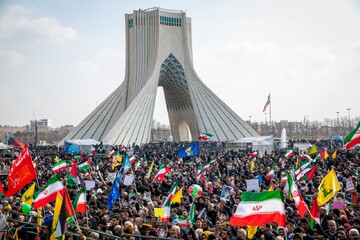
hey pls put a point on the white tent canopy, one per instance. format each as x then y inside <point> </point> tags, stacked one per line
<point>4,146</point>
<point>260,144</point>
<point>83,145</point>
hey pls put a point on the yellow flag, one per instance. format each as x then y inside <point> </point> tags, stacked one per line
<point>150,170</point>
<point>327,188</point>
<point>39,219</point>
<point>251,231</point>
<point>252,166</point>
<point>57,159</point>
<point>312,150</point>
<point>117,162</point>
<point>159,212</point>
<point>177,196</point>
<point>297,163</point>
<point>271,188</point>
<point>57,209</point>
<point>334,155</point>
<point>27,197</point>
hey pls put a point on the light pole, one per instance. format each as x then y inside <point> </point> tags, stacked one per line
<point>337,123</point>
<point>250,119</point>
<point>348,109</point>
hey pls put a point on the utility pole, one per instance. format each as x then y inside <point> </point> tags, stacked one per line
<point>348,109</point>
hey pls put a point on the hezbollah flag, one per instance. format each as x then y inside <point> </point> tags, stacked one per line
<point>28,196</point>
<point>312,150</point>
<point>327,188</point>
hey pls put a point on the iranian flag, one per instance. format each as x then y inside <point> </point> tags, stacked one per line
<point>59,166</point>
<point>254,154</point>
<point>132,159</point>
<point>353,138</point>
<point>167,203</point>
<point>270,174</point>
<point>295,193</point>
<point>300,171</point>
<point>208,134</point>
<point>289,153</point>
<point>48,192</point>
<point>162,173</point>
<point>183,221</point>
<point>259,208</point>
<point>203,137</point>
<point>80,201</point>
<point>85,165</point>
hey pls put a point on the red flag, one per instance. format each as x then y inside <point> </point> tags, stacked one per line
<point>69,207</point>
<point>21,173</point>
<point>18,143</point>
<point>2,189</point>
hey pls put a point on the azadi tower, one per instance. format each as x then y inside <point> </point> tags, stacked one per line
<point>159,53</point>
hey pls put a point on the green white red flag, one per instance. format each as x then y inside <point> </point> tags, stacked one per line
<point>270,173</point>
<point>80,201</point>
<point>162,173</point>
<point>48,192</point>
<point>167,203</point>
<point>259,208</point>
<point>289,153</point>
<point>298,199</point>
<point>62,165</point>
<point>353,138</point>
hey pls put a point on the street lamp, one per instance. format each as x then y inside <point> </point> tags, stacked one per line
<point>337,123</point>
<point>348,109</point>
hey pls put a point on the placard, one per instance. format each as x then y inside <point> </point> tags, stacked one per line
<point>252,184</point>
<point>128,180</point>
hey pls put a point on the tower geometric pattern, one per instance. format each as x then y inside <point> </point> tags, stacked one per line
<point>159,53</point>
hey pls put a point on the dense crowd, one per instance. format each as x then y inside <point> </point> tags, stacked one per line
<point>133,216</point>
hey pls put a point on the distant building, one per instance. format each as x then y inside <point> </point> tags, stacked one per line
<point>42,124</point>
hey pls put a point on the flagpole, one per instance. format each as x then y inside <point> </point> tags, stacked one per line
<point>270,113</point>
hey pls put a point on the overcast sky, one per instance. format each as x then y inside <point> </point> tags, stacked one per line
<point>60,59</point>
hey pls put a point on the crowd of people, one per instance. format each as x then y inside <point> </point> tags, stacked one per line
<point>132,215</point>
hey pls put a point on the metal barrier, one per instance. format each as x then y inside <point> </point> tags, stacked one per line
<point>84,228</point>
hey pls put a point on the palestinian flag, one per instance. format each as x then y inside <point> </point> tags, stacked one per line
<point>314,214</point>
<point>62,165</point>
<point>73,178</point>
<point>167,203</point>
<point>85,165</point>
<point>162,173</point>
<point>353,138</point>
<point>289,153</point>
<point>80,201</point>
<point>270,173</point>
<point>259,208</point>
<point>295,193</point>
<point>48,192</point>
<point>307,176</point>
